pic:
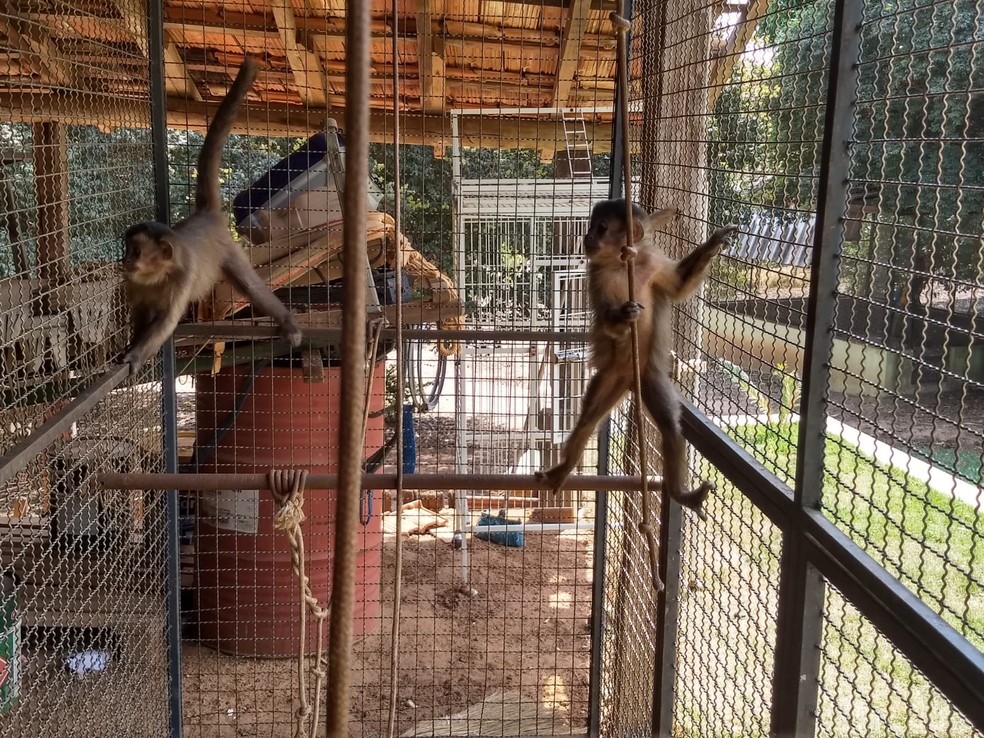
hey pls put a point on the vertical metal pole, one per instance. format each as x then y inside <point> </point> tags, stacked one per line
<point>461,518</point>
<point>169,408</point>
<point>653,41</point>
<point>353,368</point>
<point>598,589</point>
<point>801,589</point>
<point>599,562</point>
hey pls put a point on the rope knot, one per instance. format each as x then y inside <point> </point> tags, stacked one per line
<point>287,488</point>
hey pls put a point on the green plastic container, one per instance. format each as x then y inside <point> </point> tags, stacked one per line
<point>10,627</point>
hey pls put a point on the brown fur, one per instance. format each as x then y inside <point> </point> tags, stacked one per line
<point>167,268</point>
<point>659,281</point>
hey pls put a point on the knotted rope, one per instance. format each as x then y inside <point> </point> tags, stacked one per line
<point>621,29</point>
<point>287,488</point>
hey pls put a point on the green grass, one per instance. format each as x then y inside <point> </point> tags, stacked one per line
<point>934,544</point>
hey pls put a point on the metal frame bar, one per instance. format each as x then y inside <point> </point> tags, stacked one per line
<point>21,454</point>
<point>212,482</point>
<point>599,563</point>
<point>933,646</point>
<point>169,407</point>
<point>224,330</point>
<point>799,622</point>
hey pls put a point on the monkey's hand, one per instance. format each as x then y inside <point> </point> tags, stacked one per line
<point>135,358</point>
<point>630,311</point>
<point>722,237</point>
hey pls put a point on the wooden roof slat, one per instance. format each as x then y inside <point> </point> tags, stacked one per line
<point>570,51</point>
<point>30,37</point>
<point>176,77</point>
<point>290,120</point>
<point>430,63</point>
<point>304,65</point>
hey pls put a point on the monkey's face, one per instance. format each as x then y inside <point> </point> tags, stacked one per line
<point>606,230</point>
<point>148,257</point>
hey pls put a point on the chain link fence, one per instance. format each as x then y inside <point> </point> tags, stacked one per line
<point>831,369</point>
<point>830,360</point>
<point>83,606</point>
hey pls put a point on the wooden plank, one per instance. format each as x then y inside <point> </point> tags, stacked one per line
<point>570,51</point>
<point>176,77</point>
<point>304,65</point>
<point>50,153</point>
<point>430,59</point>
<point>275,119</point>
<point>38,49</point>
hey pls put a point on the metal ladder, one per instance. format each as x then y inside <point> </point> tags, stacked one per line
<point>575,140</point>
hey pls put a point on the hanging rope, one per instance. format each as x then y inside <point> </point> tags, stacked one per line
<point>398,554</point>
<point>287,488</point>
<point>621,29</point>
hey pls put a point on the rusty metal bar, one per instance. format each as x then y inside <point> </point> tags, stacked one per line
<point>353,386</point>
<point>227,330</point>
<point>21,454</point>
<point>211,482</point>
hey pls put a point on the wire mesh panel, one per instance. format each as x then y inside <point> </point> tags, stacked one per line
<point>733,126</point>
<point>82,610</point>
<point>905,459</point>
<point>496,130</point>
<point>868,688</point>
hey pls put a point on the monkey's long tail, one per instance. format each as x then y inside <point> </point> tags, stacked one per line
<point>208,196</point>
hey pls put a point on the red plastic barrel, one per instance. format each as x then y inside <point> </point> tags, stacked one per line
<point>248,602</point>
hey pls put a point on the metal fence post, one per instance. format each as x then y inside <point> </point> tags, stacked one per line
<point>169,409</point>
<point>801,588</point>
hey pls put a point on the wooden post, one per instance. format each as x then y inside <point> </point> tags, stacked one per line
<point>51,184</point>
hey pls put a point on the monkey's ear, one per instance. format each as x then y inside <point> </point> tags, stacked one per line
<point>167,249</point>
<point>638,230</point>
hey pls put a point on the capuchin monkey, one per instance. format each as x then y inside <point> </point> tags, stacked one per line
<point>659,282</point>
<point>167,268</point>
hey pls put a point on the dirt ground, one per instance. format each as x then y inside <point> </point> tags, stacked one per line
<point>525,630</point>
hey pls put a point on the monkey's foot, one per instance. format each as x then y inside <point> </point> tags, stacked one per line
<point>292,333</point>
<point>553,477</point>
<point>630,311</point>
<point>694,499</point>
<point>135,361</point>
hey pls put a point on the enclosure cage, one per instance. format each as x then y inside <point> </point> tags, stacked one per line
<point>830,368</point>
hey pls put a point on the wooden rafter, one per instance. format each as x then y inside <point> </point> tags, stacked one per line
<point>177,80</point>
<point>256,25</point>
<point>570,50</point>
<point>430,62</point>
<point>39,49</point>
<point>290,120</point>
<point>304,64</point>
<point>724,65</point>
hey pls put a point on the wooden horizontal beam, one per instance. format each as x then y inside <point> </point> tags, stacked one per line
<point>107,111</point>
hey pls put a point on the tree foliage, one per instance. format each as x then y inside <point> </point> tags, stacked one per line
<point>916,149</point>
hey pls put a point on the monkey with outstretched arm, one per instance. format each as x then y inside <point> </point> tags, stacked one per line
<point>166,268</point>
<point>659,282</point>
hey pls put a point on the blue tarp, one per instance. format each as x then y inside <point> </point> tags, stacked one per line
<point>281,174</point>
